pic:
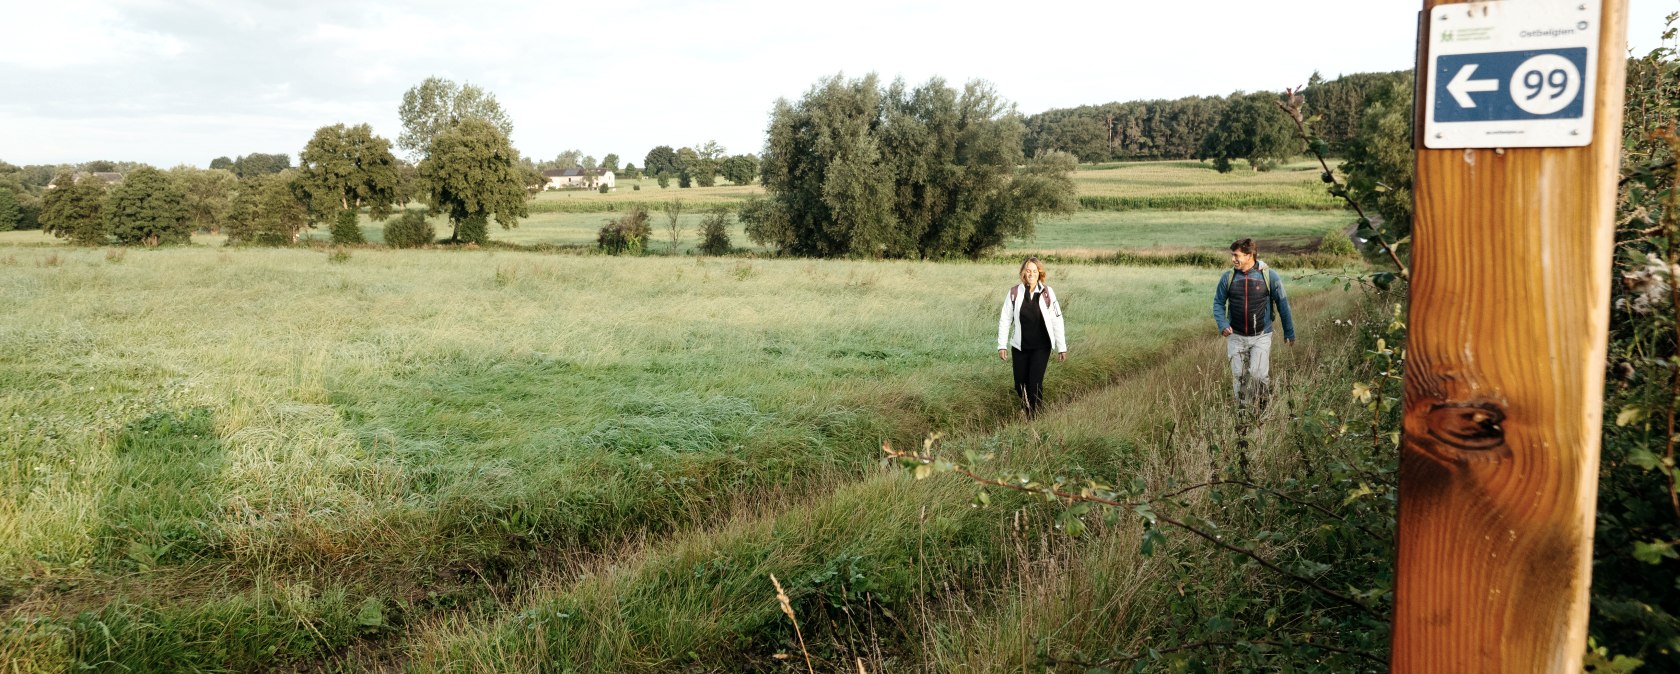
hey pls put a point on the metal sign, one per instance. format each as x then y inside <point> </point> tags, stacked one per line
<point>1511,73</point>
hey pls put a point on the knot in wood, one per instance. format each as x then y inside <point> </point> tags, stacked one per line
<point>1472,429</point>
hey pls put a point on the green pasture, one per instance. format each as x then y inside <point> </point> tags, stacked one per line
<point>1097,232</point>
<point>228,459</point>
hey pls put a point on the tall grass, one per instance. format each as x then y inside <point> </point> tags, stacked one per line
<point>403,432</point>
<point>906,575</point>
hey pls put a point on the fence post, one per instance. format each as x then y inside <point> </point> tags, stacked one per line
<point>1504,378</point>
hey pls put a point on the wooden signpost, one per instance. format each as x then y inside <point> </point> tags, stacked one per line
<point>1519,112</point>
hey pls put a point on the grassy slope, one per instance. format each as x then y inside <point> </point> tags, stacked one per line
<point>906,575</point>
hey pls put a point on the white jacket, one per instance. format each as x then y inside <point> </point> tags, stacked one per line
<point>1011,314</point>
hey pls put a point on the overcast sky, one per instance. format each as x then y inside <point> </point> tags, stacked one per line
<point>171,82</point>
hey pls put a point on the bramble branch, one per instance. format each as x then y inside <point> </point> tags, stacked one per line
<point>1091,495</point>
<point>1291,105</point>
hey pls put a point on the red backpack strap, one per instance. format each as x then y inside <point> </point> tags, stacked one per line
<point>1013,291</point>
<point>1045,296</point>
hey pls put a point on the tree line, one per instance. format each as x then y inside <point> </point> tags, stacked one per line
<point>1238,126</point>
<point>463,167</point>
<point>702,166</point>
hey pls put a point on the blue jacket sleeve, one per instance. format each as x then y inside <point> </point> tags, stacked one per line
<point>1281,299</point>
<point>1219,291</point>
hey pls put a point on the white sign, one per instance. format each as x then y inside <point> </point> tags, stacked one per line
<point>1511,73</point>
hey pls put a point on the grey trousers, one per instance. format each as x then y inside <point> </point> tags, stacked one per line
<point>1251,365</point>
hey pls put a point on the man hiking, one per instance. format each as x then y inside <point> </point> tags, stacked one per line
<point>1242,308</point>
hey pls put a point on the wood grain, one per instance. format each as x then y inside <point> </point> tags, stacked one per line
<point>1503,392</point>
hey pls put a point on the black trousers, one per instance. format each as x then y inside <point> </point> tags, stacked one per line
<point>1029,376</point>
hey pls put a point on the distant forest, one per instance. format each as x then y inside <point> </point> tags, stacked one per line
<point>1176,129</point>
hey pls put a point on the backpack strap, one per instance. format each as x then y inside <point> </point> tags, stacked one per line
<point>1013,291</point>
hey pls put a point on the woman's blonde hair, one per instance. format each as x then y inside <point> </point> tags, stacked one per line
<point>1043,274</point>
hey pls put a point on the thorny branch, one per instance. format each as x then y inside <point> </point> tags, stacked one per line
<point>1291,105</point>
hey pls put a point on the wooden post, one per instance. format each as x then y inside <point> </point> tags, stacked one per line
<point>1504,388</point>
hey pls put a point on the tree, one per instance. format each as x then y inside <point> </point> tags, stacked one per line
<point>408,183</point>
<point>610,162</point>
<point>10,212</point>
<point>75,210</point>
<point>714,232</point>
<point>1380,162</point>
<point>435,105</point>
<point>740,169</point>
<point>207,195</point>
<point>347,168</point>
<point>673,223</point>
<point>1252,128</point>
<point>259,164</point>
<point>589,162</point>
<point>222,163</point>
<point>266,211</point>
<point>472,173</point>
<point>99,166</point>
<point>933,172</point>
<point>147,209</point>
<point>564,160</point>
<point>660,160</point>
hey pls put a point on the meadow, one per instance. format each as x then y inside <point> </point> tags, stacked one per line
<point>1143,208</point>
<point>237,459</point>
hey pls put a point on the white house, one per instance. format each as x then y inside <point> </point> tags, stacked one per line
<point>579,177</point>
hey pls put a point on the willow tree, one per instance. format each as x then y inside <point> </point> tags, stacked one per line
<point>853,169</point>
<point>432,107</point>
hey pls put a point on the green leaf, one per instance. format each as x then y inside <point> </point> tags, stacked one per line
<point>1644,458</point>
<point>1151,536</point>
<point>1629,415</point>
<point>371,613</point>
<point>1653,552</point>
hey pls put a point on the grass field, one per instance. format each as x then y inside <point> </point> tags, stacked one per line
<point>235,459</point>
<point>197,438</point>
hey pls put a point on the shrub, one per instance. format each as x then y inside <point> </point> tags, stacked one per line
<point>714,232</point>
<point>474,229</point>
<point>664,181</point>
<point>346,230</point>
<point>409,231</point>
<point>1336,242</point>
<point>627,233</point>
<point>636,187</point>
<point>603,189</point>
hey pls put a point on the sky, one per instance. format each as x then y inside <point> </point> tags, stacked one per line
<point>170,82</point>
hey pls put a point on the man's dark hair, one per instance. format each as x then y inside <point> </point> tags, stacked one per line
<point>1246,246</point>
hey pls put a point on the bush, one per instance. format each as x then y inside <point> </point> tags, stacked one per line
<point>346,230</point>
<point>627,233</point>
<point>636,187</point>
<point>475,229</point>
<point>1336,242</point>
<point>714,232</point>
<point>664,181</point>
<point>603,189</point>
<point>409,231</point>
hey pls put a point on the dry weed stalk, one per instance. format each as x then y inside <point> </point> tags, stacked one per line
<point>787,607</point>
